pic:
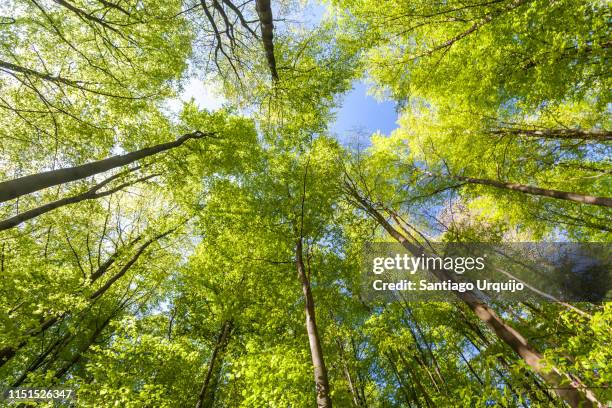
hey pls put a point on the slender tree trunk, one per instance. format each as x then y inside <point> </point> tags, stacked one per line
<point>105,266</point>
<point>562,195</point>
<point>469,366</point>
<point>102,289</point>
<point>594,135</point>
<point>421,358</point>
<point>567,388</point>
<point>90,194</point>
<point>206,395</point>
<point>264,11</point>
<point>505,379</point>
<point>529,377</point>
<point>9,352</point>
<point>91,340</point>
<point>415,380</point>
<point>428,345</point>
<point>409,395</point>
<point>351,385</point>
<point>349,378</point>
<point>28,184</point>
<point>360,379</point>
<point>316,351</point>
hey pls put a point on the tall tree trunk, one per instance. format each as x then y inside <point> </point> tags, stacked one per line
<point>206,395</point>
<point>264,11</point>
<point>529,376</point>
<point>595,134</point>
<point>506,380</point>
<point>90,194</point>
<point>434,360</point>
<point>349,378</point>
<point>566,387</point>
<point>421,358</point>
<point>562,195</point>
<point>409,394</point>
<point>415,380</point>
<point>469,365</point>
<point>28,184</point>
<point>105,266</point>
<point>9,352</point>
<point>316,351</point>
<point>361,381</point>
<point>102,289</point>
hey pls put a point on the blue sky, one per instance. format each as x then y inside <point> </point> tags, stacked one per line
<point>361,114</point>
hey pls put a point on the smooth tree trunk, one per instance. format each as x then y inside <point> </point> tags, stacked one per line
<point>63,341</point>
<point>90,194</point>
<point>432,356</point>
<point>28,184</point>
<point>9,352</point>
<point>421,358</point>
<point>408,393</point>
<point>569,389</point>
<point>415,380</point>
<point>349,378</point>
<point>316,351</point>
<point>596,135</point>
<point>264,12</point>
<point>562,195</point>
<point>206,396</point>
<point>105,266</point>
<point>529,378</point>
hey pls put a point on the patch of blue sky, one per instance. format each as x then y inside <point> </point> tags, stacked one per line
<point>360,115</point>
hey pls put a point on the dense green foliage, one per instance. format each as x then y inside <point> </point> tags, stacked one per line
<point>187,281</point>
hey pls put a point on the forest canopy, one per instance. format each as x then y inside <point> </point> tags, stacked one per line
<point>155,253</point>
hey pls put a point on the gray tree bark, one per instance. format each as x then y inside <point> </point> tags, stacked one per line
<point>316,351</point>
<point>28,184</point>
